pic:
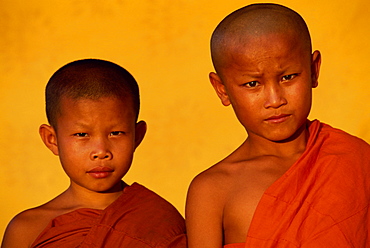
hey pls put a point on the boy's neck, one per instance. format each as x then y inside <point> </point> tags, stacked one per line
<point>80,197</point>
<point>257,146</point>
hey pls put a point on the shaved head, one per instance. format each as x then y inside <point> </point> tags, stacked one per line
<point>90,79</point>
<point>256,20</point>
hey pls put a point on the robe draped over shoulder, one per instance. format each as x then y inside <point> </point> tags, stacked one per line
<point>322,200</point>
<point>138,218</point>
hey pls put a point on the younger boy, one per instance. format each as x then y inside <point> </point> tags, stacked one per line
<point>293,182</point>
<point>92,107</point>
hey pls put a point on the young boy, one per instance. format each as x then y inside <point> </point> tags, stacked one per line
<point>293,182</point>
<point>92,108</point>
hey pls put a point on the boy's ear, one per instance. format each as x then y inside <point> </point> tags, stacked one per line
<point>140,131</point>
<point>315,68</point>
<point>49,136</point>
<point>219,88</point>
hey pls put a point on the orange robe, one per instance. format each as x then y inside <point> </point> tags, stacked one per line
<point>139,218</point>
<point>322,200</point>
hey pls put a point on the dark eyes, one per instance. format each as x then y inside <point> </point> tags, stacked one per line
<point>289,77</point>
<point>253,84</point>
<point>116,133</point>
<point>82,135</point>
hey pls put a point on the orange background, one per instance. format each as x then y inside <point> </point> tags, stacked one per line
<point>165,45</point>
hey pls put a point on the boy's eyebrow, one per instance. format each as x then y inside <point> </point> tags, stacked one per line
<point>279,71</point>
<point>117,125</point>
<point>81,124</point>
<point>253,74</point>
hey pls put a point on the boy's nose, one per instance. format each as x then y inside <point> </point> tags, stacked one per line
<point>101,151</point>
<point>274,96</point>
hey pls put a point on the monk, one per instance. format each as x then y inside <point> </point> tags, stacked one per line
<point>92,108</point>
<point>293,182</point>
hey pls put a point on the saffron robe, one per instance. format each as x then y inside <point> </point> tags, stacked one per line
<point>139,218</point>
<point>322,200</point>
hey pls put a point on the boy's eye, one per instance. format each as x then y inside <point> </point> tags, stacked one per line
<point>251,84</point>
<point>289,77</point>
<point>116,133</point>
<point>80,134</point>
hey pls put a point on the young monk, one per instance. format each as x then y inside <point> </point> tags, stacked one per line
<point>293,182</point>
<point>92,107</point>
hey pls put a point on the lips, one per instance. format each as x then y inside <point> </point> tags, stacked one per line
<point>100,172</point>
<point>277,118</point>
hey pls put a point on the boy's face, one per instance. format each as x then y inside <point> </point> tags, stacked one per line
<point>95,140</point>
<point>269,83</point>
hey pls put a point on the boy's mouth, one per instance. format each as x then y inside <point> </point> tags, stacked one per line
<point>277,118</point>
<point>100,172</point>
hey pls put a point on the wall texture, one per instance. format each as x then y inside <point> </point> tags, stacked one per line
<point>165,45</point>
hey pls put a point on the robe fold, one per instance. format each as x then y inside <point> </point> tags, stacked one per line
<point>322,200</point>
<point>236,245</point>
<point>139,218</point>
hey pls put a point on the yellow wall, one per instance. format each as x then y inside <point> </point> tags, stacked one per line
<point>165,44</point>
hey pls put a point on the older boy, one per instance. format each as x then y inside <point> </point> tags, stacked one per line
<point>293,182</point>
<point>92,107</point>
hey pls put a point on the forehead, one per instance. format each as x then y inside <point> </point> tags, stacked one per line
<point>253,48</point>
<point>258,45</point>
<point>86,106</point>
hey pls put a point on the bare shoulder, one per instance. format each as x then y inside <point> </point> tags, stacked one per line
<point>24,228</point>
<point>208,185</point>
<point>204,208</point>
<point>204,190</point>
<point>216,180</point>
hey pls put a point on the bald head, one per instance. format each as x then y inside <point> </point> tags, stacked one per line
<point>89,79</point>
<point>254,21</point>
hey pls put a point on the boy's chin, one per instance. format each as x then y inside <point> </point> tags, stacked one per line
<point>287,136</point>
<point>105,188</point>
<point>118,187</point>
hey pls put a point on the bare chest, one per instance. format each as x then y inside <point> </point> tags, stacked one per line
<point>243,197</point>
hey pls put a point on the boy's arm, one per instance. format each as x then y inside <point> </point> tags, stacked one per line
<point>204,214</point>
